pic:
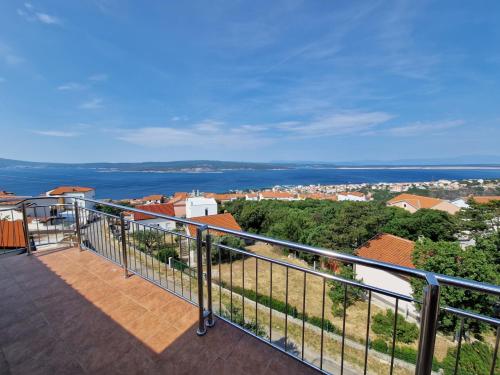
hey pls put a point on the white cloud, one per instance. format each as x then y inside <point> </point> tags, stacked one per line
<point>29,13</point>
<point>94,103</point>
<point>98,77</point>
<point>8,56</point>
<point>336,124</point>
<point>205,134</point>
<point>56,133</point>
<point>71,86</point>
<point>423,127</point>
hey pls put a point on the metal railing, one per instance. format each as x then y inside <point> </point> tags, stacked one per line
<point>281,302</point>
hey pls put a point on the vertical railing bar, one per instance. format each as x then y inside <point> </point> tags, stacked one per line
<point>495,353</point>
<point>367,337</point>
<point>26,229</point>
<point>394,334</point>
<point>124,243</point>
<point>231,282</point>
<point>243,285</point>
<point>37,223</point>
<point>189,265</point>
<point>322,325</point>
<point>210,317</point>
<point>165,261</point>
<point>286,309</point>
<point>131,225</point>
<point>304,314</point>
<point>459,345</point>
<point>343,331</point>
<point>182,270</point>
<point>270,300</point>
<point>256,294</point>
<point>199,262</point>
<point>220,280</point>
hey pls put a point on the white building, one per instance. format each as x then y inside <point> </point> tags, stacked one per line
<point>390,249</point>
<point>71,192</point>
<point>162,209</point>
<point>460,202</point>
<point>351,196</point>
<point>200,206</point>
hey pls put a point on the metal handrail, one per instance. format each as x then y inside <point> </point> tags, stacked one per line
<point>430,306</point>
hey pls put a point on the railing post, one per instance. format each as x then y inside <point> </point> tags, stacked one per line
<point>210,317</point>
<point>428,326</point>
<point>124,243</point>
<point>199,261</point>
<point>26,230</point>
<point>77,225</point>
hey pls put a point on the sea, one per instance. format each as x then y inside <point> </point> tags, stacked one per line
<point>118,184</point>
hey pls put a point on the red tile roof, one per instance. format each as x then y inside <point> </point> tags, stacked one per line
<point>225,220</point>
<point>388,248</point>
<point>160,208</point>
<point>276,194</point>
<point>12,234</point>
<point>70,189</point>
<point>486,198</point>
<point>224,197</point>
<point>154,197</point>
<point>416,201</point>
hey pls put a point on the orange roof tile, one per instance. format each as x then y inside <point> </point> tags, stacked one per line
<point>160,208</point>
<point>12,234</point>
<point>70,189</point>
<point>224,197</point>
<point>416,201</point>
<point>486,198</point>
<point>388,248</point>
<point>225,220</point>
<point>276,194</point>
<point>154,197</point>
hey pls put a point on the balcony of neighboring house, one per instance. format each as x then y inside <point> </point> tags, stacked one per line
<point>87,291</point>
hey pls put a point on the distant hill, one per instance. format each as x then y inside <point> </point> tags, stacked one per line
<point>217,165</point>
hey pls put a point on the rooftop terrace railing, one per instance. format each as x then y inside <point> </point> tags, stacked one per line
<point>279,301</point>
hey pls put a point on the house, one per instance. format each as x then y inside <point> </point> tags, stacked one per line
<point>390,249</point>
<point>200,206</point>
<point>12,234</point>
<point>153,199</point>
<point>10,207</point>
<point>179,202</point>
<point>460,203</point>
<point>319,196</point>
<point>252,196</point>
<point>225,220</point>
<point>485,198</point>
<point>72,192</point>
<point>223,198</point>
<point>277,195</point>
<point>160,208</point>
<point>412,203</point>
<point>351,196</point>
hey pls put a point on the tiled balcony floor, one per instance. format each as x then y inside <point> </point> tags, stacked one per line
<point>72,312</point>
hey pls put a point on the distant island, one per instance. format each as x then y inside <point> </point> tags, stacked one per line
<point>204,166</point>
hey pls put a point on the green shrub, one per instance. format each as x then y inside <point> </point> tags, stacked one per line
<point>405,331</point>
<point>379,345</point>
<point>475,358</point>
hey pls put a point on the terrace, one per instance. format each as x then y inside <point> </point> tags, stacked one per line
<point>105,294</point>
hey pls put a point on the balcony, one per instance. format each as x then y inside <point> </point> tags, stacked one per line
<point>106,294</point>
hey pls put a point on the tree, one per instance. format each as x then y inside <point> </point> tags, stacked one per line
<point>433,224</point>
<point>112,210</point>
<point>450,259</point>
<point>337,292</point>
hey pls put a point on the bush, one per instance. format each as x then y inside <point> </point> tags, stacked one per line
<point>225,255</point>
<point>405,331</point>
<point>475,358</point>
<point>379,345</point>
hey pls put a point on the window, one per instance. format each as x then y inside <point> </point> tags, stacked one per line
<point>206,211</point>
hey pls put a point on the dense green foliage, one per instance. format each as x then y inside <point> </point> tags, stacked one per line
<point>112,210</point>
<point>480,219</point>
<point>341,295</point>
<point>383,324</point>
<point>475,358</point>
<point>154,243</point>
<point>448,258</point>
<point>341,226</point>
<point>223,255</point>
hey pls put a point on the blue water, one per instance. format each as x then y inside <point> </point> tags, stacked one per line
<point>116,185</point>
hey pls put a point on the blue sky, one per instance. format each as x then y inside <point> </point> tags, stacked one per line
<point>113,80</point>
